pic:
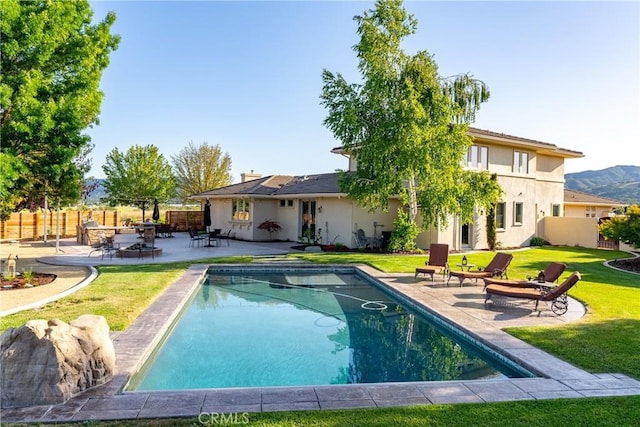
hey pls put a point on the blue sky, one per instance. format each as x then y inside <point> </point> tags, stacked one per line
<point>247,76</point>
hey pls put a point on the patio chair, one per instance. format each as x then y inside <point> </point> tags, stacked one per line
<point>97,243</point>
<point>196,237</point>
<point>226,237</point>
<point>214,238</point>
<point>103,244</point>
<point>364,242</point>
<point>550,274</point>
<point>496,268</point>
<point>437,262</point>
<point>557,294</point>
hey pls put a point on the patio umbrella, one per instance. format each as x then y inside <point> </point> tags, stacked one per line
<point>156,210</point>
<point>207,214</point>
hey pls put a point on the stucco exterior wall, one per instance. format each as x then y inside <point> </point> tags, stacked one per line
<point>575,211</point>
<point>517,189</point>
<point>500,158</point>
<point>262,210</point>
<point>549,168</point>
<point>364,219</point>
<point>571,231</point>
<point>221,214</point>
<point>334,217</point>
<point>288,218</point>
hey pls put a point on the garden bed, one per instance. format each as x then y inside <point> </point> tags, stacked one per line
<point>19,282</point>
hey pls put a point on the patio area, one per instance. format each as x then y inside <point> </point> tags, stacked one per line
<point>463,306</point>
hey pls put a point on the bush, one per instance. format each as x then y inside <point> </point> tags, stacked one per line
<point>537,241</point>
<point>405,232</point>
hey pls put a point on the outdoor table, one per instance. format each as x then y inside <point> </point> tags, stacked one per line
<point>468,266</point>
<point>214,239</point>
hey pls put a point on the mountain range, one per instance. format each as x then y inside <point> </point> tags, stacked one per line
<point>620,183</point>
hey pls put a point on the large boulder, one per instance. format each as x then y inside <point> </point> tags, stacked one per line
<point>47,362</point>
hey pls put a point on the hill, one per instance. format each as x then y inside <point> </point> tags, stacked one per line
<point>617,182</point>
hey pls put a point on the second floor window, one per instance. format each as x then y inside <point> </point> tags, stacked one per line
<point>520,162</point>
<point>477,158</point>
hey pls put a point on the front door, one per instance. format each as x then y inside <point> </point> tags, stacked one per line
<point>308,220</point>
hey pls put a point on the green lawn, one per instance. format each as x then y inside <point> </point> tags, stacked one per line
<point>605,340</point>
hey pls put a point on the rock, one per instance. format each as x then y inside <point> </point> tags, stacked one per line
<point>47,362</point>
<point>313,248</point>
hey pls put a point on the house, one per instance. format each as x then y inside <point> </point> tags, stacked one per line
<point>579,224</point>
<point>531,174</point>
<point>579,204</point>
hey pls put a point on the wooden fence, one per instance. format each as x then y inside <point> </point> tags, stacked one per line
<point>183,220</point>
<point>30,225</point>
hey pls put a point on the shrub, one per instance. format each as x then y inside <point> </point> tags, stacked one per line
<point>270,226</point>
<point>537,241</point>
<point>405,232</point>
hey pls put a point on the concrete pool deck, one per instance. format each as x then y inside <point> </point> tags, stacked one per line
<point>462,305</point>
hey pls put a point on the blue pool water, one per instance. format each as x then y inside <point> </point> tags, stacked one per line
<point>250,329</point>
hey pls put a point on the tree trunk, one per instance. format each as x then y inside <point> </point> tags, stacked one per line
<point>413,200</point>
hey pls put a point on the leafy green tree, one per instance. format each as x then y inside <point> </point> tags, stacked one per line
<point>52,58</point>
<point>10,170</point>
<point>405,125</point>
<point>137,177</point>
<point>201,168</point>
<point>624,228</point>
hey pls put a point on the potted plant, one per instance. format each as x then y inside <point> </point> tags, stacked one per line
<point>271,226</point>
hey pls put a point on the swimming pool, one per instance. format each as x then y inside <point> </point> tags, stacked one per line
<point>246,328</point>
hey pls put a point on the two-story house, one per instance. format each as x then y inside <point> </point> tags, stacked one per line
<point>531,174</point>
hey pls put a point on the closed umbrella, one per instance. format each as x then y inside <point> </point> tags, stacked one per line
<point>156,210</point>
<point>207,214</point>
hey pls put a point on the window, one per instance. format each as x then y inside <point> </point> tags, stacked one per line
<point>520,162</point>
<point>555,210</point>
<point>240,209</point>
<point>500,215</point>
<point>517,213</point>
<point>590,211</point>
<point>286,203</point>
<point>477,158</point>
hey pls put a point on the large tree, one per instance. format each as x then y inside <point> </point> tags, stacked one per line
<point>201,168</point>
<point>625,228</point>
<point>138,176</point>
<point>52,58</point>
<point>405,125</point>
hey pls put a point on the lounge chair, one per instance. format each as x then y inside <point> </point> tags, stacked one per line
<point>550,274</point>
<point>496,268</point>
<point>437,262</point>
<point>557,295</point>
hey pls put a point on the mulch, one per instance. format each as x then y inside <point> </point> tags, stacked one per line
<point>632,265</point>
<point>39,279</point>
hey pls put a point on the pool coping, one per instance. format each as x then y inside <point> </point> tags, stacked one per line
<point>558,379</point>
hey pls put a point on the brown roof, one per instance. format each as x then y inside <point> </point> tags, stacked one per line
<point>278,185</point>
<point>579,198</point>
<point>540,146</point>
<point>545,147</point>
